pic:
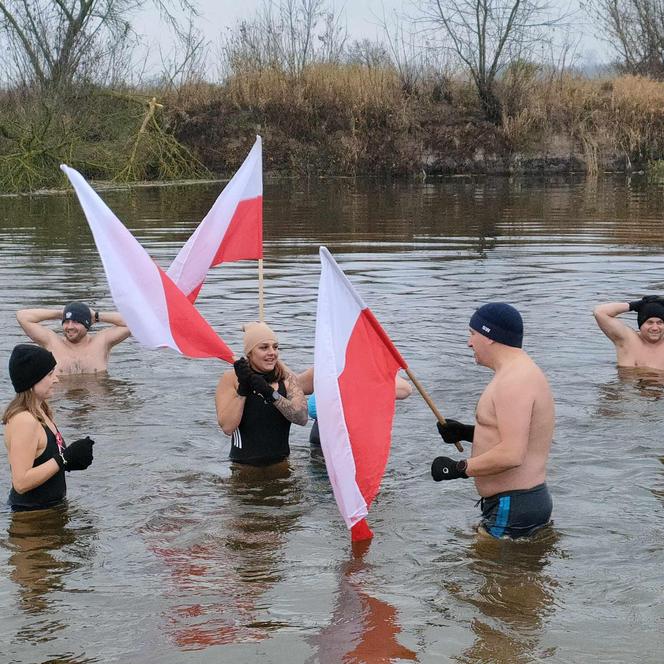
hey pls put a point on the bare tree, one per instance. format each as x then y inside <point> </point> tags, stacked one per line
<point>52,42</point>
<point>287,34</point>
<point>486,35</point>
<point>184,64</point>
<point>635,30</point>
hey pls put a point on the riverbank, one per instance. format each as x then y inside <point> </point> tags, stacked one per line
<point>333,120</point>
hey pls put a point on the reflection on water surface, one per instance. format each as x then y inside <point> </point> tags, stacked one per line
<point>165,554</point>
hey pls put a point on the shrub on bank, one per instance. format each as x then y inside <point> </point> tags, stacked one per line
<point>333,120</point>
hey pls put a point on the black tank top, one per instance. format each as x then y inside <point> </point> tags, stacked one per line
<point>262,436</point>
<point>48,494</point>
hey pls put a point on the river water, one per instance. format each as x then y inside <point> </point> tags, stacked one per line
<point>162,555</point>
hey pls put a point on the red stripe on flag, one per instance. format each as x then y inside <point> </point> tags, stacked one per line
<point>191,332</point>
<point>194,294</point>
<point>243,239</point>
<point>378,328</point>
<point>368,394</point>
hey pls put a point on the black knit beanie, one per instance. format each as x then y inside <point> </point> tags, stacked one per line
<point>649,310</point>
<point>500,322</point>
<point>28,364</point>
<point>79,312</point>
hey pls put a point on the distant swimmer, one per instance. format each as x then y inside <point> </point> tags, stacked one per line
<point>78,351</point>
<point>38,456</point>
<point>257,401</point>
<point>642,348</point>
<point>512,432</point>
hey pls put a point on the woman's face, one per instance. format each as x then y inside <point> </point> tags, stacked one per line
<point>263,358</point>
<point>44,388</point>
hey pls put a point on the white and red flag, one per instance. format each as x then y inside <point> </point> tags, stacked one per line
<point>355,364</point>
<point>231,231</point>
<point>154,308</point>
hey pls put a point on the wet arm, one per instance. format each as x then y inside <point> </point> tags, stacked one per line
<point>306,380</point>
<point>402,387</point>
<point>229,404</point>
<point>114,335</point>
<point>23,432</point>
<point>605,315</point>
<point>294,405</point>
<point>513,407</point>
<point>31,321</point>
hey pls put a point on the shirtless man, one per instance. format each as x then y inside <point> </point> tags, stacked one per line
<point>512,433</point>
<point>644,348</point>
<point>77,352</point>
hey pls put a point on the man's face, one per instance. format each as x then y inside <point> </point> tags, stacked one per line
<point>74,331</point>
<point>652,330</point>
<point>480,345</point>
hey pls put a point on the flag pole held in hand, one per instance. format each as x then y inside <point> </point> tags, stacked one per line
<point>430,403</point>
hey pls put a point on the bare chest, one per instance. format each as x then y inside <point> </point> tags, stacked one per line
<point>74,360</point>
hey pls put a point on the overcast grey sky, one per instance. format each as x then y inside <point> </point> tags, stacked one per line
<point>362,19</point>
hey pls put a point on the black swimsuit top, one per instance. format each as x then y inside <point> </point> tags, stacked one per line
<point>262,436</point>
<point>48,494</point>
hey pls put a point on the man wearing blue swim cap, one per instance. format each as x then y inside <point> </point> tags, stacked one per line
<point>642,348</point>
<point>77,351</point>
<point>512,433</point>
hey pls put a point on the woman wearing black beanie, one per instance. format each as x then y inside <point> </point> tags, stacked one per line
<point>37,453</point>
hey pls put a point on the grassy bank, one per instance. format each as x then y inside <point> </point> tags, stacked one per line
<point>333,120</point>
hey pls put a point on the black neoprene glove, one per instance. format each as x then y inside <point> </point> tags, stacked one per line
<point>77,455</point>
<point>646,299</point>
<point>243,372</point>
<point>444,468</point>
<point>259,385</point>
<point>452,431</point>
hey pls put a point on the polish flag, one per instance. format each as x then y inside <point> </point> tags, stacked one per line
<point>154,308</point>
<point>231,231</point>
<point>355,364</point>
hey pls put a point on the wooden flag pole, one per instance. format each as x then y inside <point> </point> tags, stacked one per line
<point>261,306</point>
<point>430,403</point>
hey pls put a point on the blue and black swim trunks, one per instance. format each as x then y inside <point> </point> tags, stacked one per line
<point>517,513</point>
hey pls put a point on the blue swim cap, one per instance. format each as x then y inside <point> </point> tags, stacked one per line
<point>500,322</point>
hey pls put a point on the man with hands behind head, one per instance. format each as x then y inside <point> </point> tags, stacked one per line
<point>644,348</point>
<point>77,351</point>
<point>513,429</point>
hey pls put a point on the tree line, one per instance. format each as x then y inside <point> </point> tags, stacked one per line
<point>54,52</point>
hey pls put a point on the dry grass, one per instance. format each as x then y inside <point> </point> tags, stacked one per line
<point>333,119</point>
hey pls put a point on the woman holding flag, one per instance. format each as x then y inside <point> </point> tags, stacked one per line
<point>257,402</point>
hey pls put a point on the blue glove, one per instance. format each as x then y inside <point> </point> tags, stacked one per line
<point>311,406</point>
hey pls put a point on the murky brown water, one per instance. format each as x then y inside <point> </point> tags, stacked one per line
<point>163,556</point>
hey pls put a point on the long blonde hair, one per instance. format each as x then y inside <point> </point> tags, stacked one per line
<point>27,401</point>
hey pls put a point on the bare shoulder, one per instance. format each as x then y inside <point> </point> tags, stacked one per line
<point>23,421</point>
<point>227,380</point>
<point>522,377</point>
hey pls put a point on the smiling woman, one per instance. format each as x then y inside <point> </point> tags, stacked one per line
<point>37,453</point>
<point>257,402</point>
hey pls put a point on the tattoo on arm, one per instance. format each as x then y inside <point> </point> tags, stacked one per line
<point>294,406</point>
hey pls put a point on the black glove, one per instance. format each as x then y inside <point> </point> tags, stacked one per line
<point>444,468</point>
<point>244,372</point>
<point>453,431</point>
<point>259,385</point>
<point>77,455</point>
<point>646,299</point>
